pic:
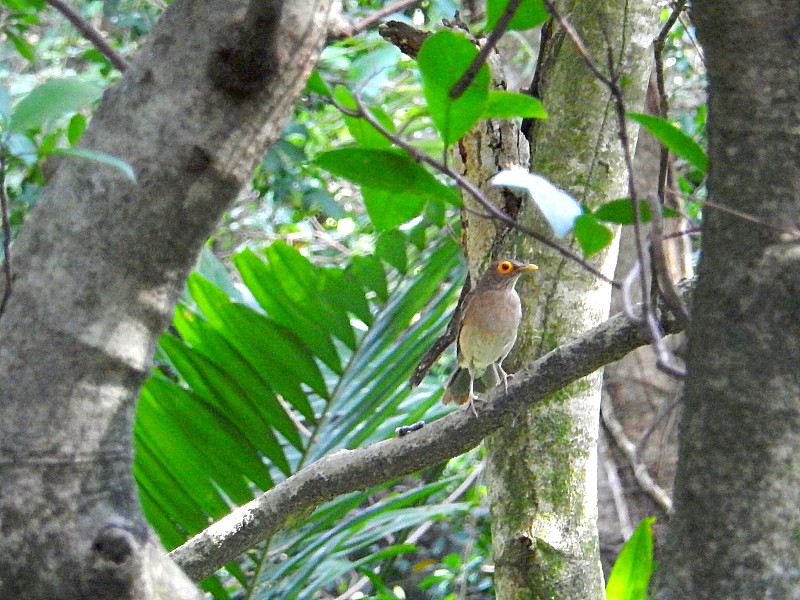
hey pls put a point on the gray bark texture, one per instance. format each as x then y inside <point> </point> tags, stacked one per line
<point>98,268</point>
<point>541,468</point>
<point>735,531</point>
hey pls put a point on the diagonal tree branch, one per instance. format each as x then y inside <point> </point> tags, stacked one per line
<point>348,470</point>
<point>90,33</point>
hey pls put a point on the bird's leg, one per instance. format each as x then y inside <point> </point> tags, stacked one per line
<point>505,377</point>
<point>472,397</point>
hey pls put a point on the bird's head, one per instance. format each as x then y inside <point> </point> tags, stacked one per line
<point>504,273</point>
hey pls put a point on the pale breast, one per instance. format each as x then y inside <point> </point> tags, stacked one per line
<point>489,327</point>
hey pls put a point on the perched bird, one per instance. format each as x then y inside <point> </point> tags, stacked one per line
<point>487,330</point>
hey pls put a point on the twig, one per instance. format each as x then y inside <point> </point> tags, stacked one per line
<point>377,15</point>
<point>617,493</point>
<point>90,33</point>
<point>659,257</point>
<point>419,531</point>
<point>491,41</point>
<point>640,473</point>
<point>655,424</point>
<point>466,185</point>
<point>6,233</point>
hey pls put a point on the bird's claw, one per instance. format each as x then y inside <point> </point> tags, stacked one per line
<point>470,405</point>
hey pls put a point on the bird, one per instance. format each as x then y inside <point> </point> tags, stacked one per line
<point>487,331</point>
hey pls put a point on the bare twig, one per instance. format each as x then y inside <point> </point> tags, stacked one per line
<point>617,493</point>
<point>640,473</point>
<point>659,257</point>
<point>491,41</point>
<point>6,233</point>
<point>469,187</point>
<point>381,13</point>
<point>90,33</point>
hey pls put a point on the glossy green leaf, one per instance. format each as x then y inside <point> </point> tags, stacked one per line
<point>443,59</point>
<point>391,248</point>
<point>317,85</point>
<point>50,100</point>
<point>592,235</point>
<point>620,211</point>
<point>630,576</point>
<point>388,210</point>
<point>674,139</point>
<point>75,128</point>
<point>222,390</point>
<point>507,105</point>
<point>364,133</point>
<point>529,13</point>
<point>99,157</point>
<point>24,47</point>
<point>386,170</point>
<point>367,270</point>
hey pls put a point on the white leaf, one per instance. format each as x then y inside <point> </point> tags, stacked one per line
<point>558,207</point>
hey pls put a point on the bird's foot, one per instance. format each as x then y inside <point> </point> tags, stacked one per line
<point>470,404</point>
<point>506,378</point>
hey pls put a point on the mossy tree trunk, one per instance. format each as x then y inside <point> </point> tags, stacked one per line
<point>541,471</point>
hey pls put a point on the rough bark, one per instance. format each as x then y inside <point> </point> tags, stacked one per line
<point>98,268</point>
<point>542,468</point>
<point>734,534</point>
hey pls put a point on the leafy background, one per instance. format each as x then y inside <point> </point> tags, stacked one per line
<point>317,295</point>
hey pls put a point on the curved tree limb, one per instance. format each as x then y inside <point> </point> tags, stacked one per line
<point>348,470</point>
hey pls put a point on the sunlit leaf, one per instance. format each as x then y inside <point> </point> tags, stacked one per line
<point>443,59</point>
<point>364,133</point>
<point>529,13</point>
<point>75,128</point>
<point>592,235</point>
<point>630,576</point>
<point>50,100</point>
<point>674,139</point>
<point>507,105</point>
<point>388,210</point>
<point>386,170</point>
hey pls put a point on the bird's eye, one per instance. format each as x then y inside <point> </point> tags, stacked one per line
<point>505,267</point>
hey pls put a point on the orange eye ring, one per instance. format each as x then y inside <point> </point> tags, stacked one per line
<point>505,267</point>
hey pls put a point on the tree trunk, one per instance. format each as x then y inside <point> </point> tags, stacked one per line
<point>734,534</point>
<point>542,470</point>
<point>98,268</point>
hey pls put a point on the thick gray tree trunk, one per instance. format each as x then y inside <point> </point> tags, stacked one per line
<point>98,268</point>
<point>734,534</point>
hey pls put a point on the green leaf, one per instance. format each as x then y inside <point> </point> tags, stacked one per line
<point>364,133</point>
<point>632,570</point>
<point>529,13</point>
<point>443,59</point>
<point>592,235</point>
<point>507,105</point>
<point>101,157</point>
<point>391,247</point>
<point>388,210</point>
<point>23,46</point>
<point>51,100</point>
<point>673,139</point>
<point>387,170</point>
<point>620,211</point>
<point>317,85</point>
<point>75,128</point>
